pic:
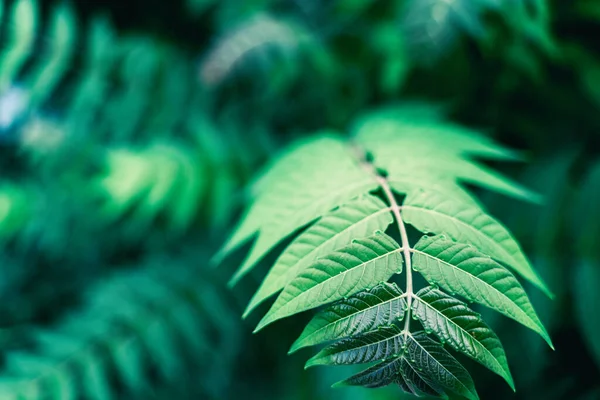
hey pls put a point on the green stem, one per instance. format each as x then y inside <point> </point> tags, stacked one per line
<point>405,248</point>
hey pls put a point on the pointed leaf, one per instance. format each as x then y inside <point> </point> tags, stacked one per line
<point>461,269</point>
<point>438,154</point>
<point>436,367</point>
<point>463,329</point>
<point>315,176</point>
<point>359,266</point>
<point>418,364</point>
<point>358,314</point>
<point>415,384</point>
<point>359,218</point>
<point>372,346</point>
<point>429,212</point>
<point>377,376</point>
<point>96,382</point>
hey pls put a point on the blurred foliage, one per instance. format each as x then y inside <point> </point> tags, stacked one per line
<point>128,128</point>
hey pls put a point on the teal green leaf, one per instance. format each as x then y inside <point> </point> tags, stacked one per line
<point>53,65</point>
<point>436,367</point>
<point>359,266</point>
<point>310,180</point>
<point>438,157</point>
<point>461,269</point>
<point>413,383</point>
<point>372,346</point>
<point>429,212</point>
<point>358,314</point>
<point>21,39</point>
<point>128,360</point>
<point>379,375</point>
<point>453,322</point>
<point>95,376</point>
<point>418,364</point>
<point>359,218</point>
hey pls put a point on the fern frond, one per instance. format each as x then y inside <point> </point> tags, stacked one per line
<point>343,191</point>
<point>132,324</point>
<point>158,179</point>
<point>252,40</point>
<point>432,27</point>
<point>23,18</point>
<point>52,66</point>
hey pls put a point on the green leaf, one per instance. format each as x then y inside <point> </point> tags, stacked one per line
<point>359,266</point>
<point>96,384</point>
<point>438,157</point>
<point>429,212</point>
<point>372,346</point>
<point>379,375</point>
<point>419,365</point>
<point>360,313</point>
<point>128,361</point>
<point>21,32</point>
<point>463,329</point>
<point>313,179</point>
<point>461,269</point>
<point>436,367</point>
<point>359,218</point>
<point>413,382</point>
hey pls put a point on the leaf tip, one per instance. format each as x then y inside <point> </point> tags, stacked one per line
<point>314,361</point>
<point>216,259</point>
<point>251,306</point>
<point>339,384</point>
<point>232,282</point>
<point>263,322</point>
<point>295,347</point>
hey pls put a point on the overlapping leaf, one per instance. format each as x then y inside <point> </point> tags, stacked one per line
<point>421,367</point>
<point>437,159</point>
<point>360,313</point>
<point>434,213</point>
<point>372,346</point>
<point>319,175</point>
<point>461,269</point>
<point>463,329</point>
<point>361,265</point>
<point>359,218</point>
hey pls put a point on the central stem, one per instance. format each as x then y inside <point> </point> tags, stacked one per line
<point>405,247</point>
<point>384,184</point>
